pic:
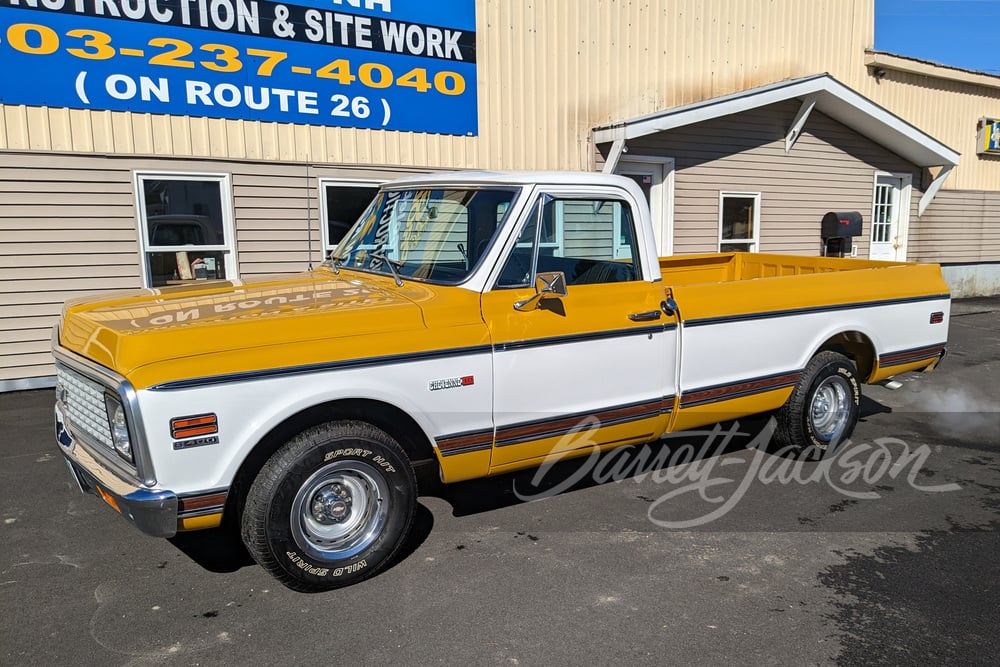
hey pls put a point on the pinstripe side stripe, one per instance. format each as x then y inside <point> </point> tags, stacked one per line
<point>731,390</point>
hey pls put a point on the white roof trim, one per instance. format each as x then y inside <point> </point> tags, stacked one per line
<point>832,98</point>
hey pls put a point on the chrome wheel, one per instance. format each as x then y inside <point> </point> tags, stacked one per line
<point>340,510</point>
<point>830,409</point>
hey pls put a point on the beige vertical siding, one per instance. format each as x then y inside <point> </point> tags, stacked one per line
<point>68,228</point>
<point>958,227</point>
<point>547,73</point>
<point>550,71</point>
<point>948,111</point>
<point>831,167</point>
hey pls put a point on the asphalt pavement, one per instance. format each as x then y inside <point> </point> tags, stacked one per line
<point>698,550</point>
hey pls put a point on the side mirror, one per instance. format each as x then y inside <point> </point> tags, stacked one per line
<point>547,286</point>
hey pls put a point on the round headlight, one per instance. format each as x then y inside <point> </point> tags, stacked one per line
<point>119,430</point>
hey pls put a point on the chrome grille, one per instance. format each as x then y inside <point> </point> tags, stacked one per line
<point>84,401</point>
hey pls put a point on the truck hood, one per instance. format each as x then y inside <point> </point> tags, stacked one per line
<point>222,327</point>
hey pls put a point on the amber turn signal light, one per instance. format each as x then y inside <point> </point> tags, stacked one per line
<point>109,499</point>
<point>192,427</point>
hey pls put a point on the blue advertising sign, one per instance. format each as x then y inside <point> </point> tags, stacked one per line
<point>989,136</point>
<point>381,64</point>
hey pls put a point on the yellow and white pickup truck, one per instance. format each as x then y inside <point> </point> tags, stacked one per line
<point>473,319</point>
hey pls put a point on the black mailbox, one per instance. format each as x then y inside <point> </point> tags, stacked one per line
<point>837,230</point>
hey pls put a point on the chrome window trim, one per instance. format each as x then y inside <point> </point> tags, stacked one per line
<point>126,393</point>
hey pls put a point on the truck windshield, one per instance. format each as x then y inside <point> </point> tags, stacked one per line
<point>437,236</point>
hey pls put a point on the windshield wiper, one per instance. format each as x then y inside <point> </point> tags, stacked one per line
<point>335,261</point>
<point>394,266</point>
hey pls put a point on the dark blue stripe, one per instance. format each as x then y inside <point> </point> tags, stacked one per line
<point>584,337</point>
<point>317,368</point>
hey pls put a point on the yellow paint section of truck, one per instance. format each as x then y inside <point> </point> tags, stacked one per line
<point>163,335</point>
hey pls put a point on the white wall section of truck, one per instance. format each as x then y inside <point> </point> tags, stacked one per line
<point>249,409</point>
<point>729,350</point>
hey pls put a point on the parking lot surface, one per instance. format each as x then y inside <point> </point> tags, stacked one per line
<point>696,550</point>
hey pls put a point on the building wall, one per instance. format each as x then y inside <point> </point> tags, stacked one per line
<point>959,227</point>
<point>550,71</point>
<point>948,110</point>
<point>830,168</point>
<point>68,228</point>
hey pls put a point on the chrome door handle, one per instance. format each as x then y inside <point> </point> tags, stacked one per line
<point>647,316</point>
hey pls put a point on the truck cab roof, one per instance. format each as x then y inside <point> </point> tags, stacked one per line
<point>518,178</point>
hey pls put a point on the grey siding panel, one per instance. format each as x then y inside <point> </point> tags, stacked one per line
<point>68,228</point>
<point>830,168</point>
<point>958,226</point>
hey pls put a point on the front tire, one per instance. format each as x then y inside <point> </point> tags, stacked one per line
<point>823,409</point>
<point>331,507</point>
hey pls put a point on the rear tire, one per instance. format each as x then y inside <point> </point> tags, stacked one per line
<point>331,507</point>
<point>823,409</point>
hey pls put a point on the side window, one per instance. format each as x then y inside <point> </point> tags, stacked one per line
<point>185,225</point>
<point>343,204</point>
<point>589,240</point>
<point>739,221</point>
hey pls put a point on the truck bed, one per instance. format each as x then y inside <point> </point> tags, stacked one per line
<point>733,284</point>
<point>727,267</point>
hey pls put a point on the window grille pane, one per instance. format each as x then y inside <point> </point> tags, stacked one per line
<point>187,212</point>
<point>344,205</point>
<point>737,218</point>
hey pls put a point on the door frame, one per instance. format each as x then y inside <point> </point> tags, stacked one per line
<point>902,236</point>
<point>661,197</point>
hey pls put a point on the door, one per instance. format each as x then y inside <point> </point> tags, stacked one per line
<point>595,366</point>
<point>654,176</point>
<point>890,214</point>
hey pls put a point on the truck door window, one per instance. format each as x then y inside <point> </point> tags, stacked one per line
<point>589,240</point>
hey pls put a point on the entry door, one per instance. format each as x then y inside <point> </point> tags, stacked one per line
<point>593,367</point>
<point>889,213</point>
<point>653,176</point>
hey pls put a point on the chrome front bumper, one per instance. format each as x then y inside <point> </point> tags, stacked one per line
<point>154,512</point>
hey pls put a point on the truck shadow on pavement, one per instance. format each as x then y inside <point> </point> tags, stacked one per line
<point>492,493</point>
<point>221,550</point>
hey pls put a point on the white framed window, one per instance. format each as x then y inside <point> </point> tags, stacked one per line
<point>342,201</point>
<point>185,227</point>
<point>739,221</point>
